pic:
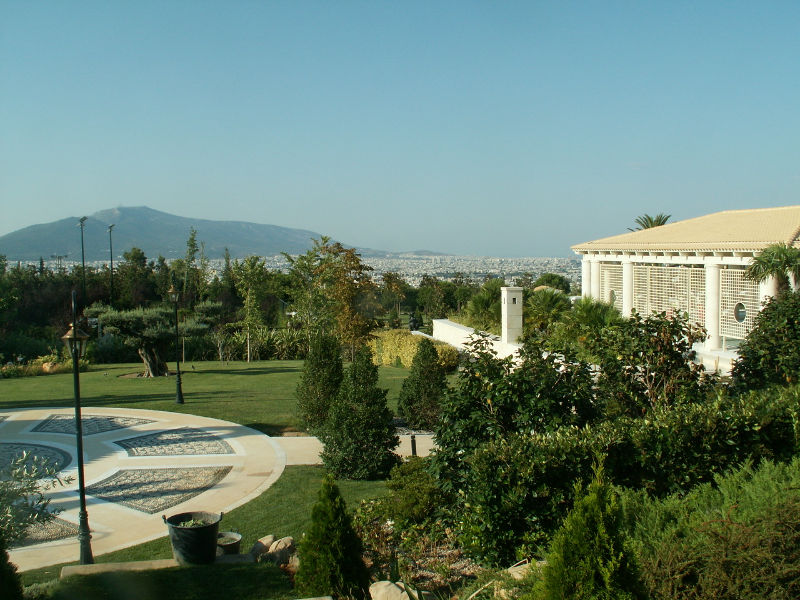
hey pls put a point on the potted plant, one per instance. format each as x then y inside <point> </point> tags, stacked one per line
<point>194,536</point>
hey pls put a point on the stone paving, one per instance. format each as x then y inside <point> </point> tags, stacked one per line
<point>142,464</point>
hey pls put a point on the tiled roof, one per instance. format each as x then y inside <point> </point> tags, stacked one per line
<point>748,230</point>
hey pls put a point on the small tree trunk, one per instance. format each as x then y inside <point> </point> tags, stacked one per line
<point>153,365</point>
<point>248,343</point>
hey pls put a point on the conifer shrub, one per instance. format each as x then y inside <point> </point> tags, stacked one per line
<point>319,381</point>
<point>359,435</point>
<point>331,560</point>
<point>591,555</point>
<point>738,537</point>
<point>422,391</point>
<point>10,583</point>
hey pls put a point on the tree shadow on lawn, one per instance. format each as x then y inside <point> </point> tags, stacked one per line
<point>274,430</point>
<point>256,371</point>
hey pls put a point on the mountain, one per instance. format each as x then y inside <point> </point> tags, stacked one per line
<point>155,232</point>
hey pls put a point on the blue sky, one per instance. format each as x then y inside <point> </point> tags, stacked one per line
<point>493,128</point>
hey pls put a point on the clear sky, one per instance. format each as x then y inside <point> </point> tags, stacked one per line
<point>493,128</point>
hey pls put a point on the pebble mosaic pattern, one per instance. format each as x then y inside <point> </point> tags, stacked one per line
<point>176,442</point>
<point>55,529</point>
<point>92,424</point>
<point>55,457</point>
<point>153,490</point>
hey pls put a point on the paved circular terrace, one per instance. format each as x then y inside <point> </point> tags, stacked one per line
<point>139,465</point>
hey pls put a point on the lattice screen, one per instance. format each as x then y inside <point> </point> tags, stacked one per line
<point>611,284</point>
<point>739,303</point>
<point>669,289</point>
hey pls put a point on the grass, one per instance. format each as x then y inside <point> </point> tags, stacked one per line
<point>283,509</point>
<point>257,394</point>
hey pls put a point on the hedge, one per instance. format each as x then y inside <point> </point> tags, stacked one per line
<point>397,347</point>
<point>519,488</point>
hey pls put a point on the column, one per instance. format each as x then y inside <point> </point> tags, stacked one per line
<point>767,288</point>
<point>511,313</point>
<point>714,341</point>
<point>586,276</point>
<point>594,292</point>
<point>627,287</point>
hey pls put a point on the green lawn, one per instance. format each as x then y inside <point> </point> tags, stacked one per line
<point>257,394</point>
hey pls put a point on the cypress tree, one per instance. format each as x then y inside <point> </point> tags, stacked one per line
<point>320,381</point>
<point>331,560</point>
<point>359,436</point>
<point>422,390</point>
<point>10,584</point>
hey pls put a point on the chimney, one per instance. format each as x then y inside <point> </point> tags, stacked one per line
<point>511,300</point>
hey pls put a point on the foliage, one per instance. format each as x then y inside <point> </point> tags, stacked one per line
<point>320,381</point>
<point>495,397</point>
<point>10,583</point>
<point>23,483</point>
<point>645,221</point>
<point>543,308</point>
<point>330,552</point>
<point>109,349</point>
<point>552,280</point>
<point>519,487</point>
<point>484,308</point>
<point>423,389</point>
<point>415,498</point>
<point>398,347</point>
<point>572,333</point>
<point>734,538</point>
<point>770,354</point>
<point>645,362</point>
<point>359,436</point>
<point>779,261</point>
<point>591,556</point>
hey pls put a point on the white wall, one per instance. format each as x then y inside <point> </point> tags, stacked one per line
<point>458,335</point>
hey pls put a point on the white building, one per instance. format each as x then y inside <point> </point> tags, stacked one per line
<point>697,265</point>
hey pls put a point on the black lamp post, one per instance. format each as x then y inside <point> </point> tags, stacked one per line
<point>174,296</point>
<point>75,341</point>
<point>111,264</point>
<point>83,261</point>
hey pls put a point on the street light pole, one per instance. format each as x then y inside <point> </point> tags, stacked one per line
<point>75,340</point>
<point>111,265</point>
<point>174,296</point>
<point>83,261</point>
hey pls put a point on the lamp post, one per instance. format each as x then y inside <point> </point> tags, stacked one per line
<point>83,261</point>
<point>75,341</point>
<point>174,296</point>
<point>111,264</point>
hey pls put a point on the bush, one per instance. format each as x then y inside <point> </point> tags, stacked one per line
<point>331,560</point>
<point>734,538</point>
<point>422,391</point>
<point>319,381</point>
<point>359,436</point>
<point>400,345</point>
<point>591,555</point>
<point>770,354</point>
<point>10,583</point>
<point>518,488</point>
<point>108,349</point>
<point>415,497</point>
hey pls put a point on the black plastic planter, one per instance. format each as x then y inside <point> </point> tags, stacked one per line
<point>194,545</point>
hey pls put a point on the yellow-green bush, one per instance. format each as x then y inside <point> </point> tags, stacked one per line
<point>397,348</point>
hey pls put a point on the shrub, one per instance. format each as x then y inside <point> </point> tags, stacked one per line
<point>414,496</point>
<point>319,381</point>
<point>331,553</point>
<point>359,436</point>
<point>401,345</point>
<point>517,488</point>
<point>109,349</point>
<point>591,555</point>
<point>770,354</point>
<point>422,391</point>
<point>10,583</point>
<point>734,538</point>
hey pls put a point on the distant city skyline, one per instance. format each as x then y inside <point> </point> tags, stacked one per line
<point>472,128</point>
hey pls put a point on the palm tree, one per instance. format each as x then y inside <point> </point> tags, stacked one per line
<point>780,261</point>
<point>645,221</point>
<point>545,306</point>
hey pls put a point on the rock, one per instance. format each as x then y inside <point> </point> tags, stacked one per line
<point>262,545</point>
<point>518,572</point>
<point>49,367</point>
<point>281,550</point>
<point>387,590</point>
